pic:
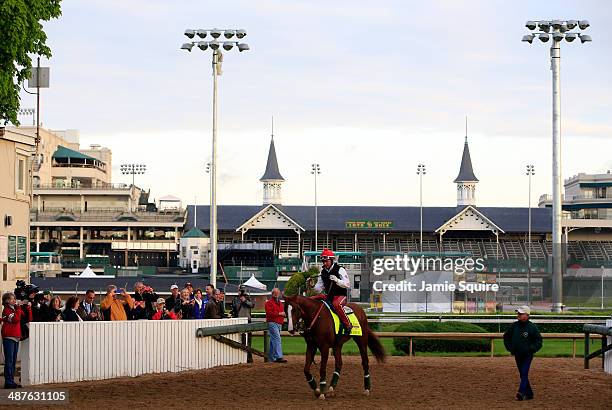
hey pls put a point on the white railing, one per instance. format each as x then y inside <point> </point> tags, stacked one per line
<point>77,351</point>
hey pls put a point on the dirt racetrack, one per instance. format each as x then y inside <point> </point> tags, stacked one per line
<point>401,382</point>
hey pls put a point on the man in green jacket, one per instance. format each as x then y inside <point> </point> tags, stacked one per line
<point>523,339</point>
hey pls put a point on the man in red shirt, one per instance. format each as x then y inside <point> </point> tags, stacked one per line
<point>11,334</point>
<point>275,316</point>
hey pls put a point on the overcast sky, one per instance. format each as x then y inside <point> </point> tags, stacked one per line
<point>368,89</point>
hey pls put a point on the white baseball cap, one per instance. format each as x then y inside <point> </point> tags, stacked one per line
<point>173,287</point>
<point>523,309</point>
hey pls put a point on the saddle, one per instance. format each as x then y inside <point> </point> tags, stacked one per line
<point>356,330</point>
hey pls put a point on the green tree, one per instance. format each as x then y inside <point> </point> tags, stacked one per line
<point>297,282</point>
<point>21,35</point>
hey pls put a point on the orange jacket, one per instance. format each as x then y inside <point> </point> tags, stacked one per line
<point>116,306</point>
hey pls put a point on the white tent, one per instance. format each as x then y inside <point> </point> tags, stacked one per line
<point>254,283</point>
<point>88,273</point>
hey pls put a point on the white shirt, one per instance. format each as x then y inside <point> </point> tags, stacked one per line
<point>343,280</point>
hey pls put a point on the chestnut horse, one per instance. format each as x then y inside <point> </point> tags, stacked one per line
<point>319,333</point>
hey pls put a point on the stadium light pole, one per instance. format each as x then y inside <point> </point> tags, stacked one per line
<point>133,169</point>
<point>558,30</point>
<point>530,172</point>
<point>420,172</point>
<point>316,170</point>
<point>217,59</point>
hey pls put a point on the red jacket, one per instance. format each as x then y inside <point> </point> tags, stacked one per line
<point>273,310</point>
<point>11,320</point>
<point>169,315</point>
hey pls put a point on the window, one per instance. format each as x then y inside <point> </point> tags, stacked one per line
<point>20,174</point>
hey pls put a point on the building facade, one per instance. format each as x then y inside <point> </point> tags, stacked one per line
<point>16,151</point>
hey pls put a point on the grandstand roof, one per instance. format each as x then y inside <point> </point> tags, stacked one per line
<point>403,218</point>
<point>466,173</point>
<point>272,172</point>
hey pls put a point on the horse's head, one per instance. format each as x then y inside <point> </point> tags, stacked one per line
<point>294,313</point>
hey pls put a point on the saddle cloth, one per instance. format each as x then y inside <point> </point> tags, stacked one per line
<point>356,330</point>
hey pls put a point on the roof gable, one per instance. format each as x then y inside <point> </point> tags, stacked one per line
<point>195,233</point>
<point>270,217</point>
<point>469,219</point>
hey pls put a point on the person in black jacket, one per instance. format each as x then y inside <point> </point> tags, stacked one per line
<point>55,310</point>
<point>144,298</point>
<point>523,340</point>
<point>184,308</point>
<point>70,311</point>
<point>174,298</point>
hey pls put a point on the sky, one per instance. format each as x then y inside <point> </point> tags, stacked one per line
<point>367,89</point>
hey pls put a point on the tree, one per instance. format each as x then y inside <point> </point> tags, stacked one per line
<point>297,282</point>
<point>21,35</point>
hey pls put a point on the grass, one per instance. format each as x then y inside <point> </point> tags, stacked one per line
<point>552,348</point>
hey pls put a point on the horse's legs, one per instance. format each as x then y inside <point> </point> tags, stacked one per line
<point>337,368</point>
<point>311,349</point>
<point>362,343</point>
<point>323,371</point>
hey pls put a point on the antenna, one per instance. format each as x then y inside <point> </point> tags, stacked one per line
<point>273,127</point>
<point>466,128</point>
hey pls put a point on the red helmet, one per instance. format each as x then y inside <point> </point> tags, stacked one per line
<point>327,254</point>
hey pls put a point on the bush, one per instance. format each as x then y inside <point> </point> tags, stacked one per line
<point>446,345</point>
<point>297,282</point>
<point>543,327</point>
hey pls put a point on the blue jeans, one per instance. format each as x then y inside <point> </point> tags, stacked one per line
<point>276,348</point>
<point>10,360</point>
<point>523,363</point>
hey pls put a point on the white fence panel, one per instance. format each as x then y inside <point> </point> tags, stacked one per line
<point>608,361</point>
<point>76,351</point>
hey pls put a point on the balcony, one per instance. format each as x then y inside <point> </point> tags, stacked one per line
<point>106,215</point>
<point>81,186</point>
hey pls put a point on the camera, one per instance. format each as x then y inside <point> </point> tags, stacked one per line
<point>23,290</point>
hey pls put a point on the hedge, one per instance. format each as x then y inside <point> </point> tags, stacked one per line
<point>297,282</point>
<point>402,344</point>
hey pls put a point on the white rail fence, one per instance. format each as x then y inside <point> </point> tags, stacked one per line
<point>77,351</point>
<point>608,362</point>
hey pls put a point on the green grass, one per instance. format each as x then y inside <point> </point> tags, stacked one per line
<point>552,348</point>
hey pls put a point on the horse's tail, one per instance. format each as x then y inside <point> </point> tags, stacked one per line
<point>376,347</point>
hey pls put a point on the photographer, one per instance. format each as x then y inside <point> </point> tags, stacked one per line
<point>162,313</point>
<point>184,308</point>
<point>54,313</point>
<point>40,309</point>
<point>144,298</point>
<point>117,303</point>
<point>88,310</point>
<point>12,316</point>
<point>242,304</point>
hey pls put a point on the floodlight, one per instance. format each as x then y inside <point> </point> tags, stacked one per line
<point>571,24</point>
<point>229,33</point>
<point>556,24</point>
<point>243,47</point>
<point>531,25</point>
<point>563,28</point>
<point>569,37</point>
<point>190,33</point>
<point>214,44</point>
<point>201,33</point>
<point>584,38</point>
<point>558,36</point>
<point>528,38</point>
<point>544,26</point>
<point>228,45</point>
<point>202,45</point>
<point>187,46</point>
<point>215,33</point>
<point>241,33</point>
<point>544,37</point>
<point>583,24</point>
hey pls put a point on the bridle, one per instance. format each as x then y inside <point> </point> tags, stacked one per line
<point>303,316</point>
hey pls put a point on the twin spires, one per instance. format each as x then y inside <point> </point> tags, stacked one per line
<point>466,180</point>
<point>272,179</point>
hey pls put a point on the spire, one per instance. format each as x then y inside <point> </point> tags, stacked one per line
<point>466,173</point>
<point>272,172</point>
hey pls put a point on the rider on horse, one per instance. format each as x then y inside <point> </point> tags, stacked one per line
<point>334,282</point>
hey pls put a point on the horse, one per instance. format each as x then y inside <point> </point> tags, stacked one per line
<point>319,333</point>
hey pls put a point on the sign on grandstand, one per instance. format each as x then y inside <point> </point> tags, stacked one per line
<point>368,224</point>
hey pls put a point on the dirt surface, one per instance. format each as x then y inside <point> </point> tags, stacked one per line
<point>401,382</point>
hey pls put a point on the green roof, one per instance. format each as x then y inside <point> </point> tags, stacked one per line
<point>195,233</point>
<point>63,152</point>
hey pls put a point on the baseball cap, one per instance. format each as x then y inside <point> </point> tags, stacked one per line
<point>160,301</point>
<point>523,309</point>
<point>188,284</point>
<point>173,287</point>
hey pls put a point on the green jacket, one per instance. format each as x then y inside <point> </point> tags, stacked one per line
<point>522,338</point>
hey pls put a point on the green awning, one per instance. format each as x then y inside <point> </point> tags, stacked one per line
<point>67,153</point>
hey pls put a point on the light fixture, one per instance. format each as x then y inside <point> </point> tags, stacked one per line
<point>243,47</point>
<point>556,24</point>
<point>543,37</point>
<point>531,25</point>
<point>229,33</point>
<point>241,33</point>
<point>583,24</point>
<point>214,45</point>
<point>571,24</point>
<point>228,45</point>
<point>201,33</point>
<point>544,26</point>
<point>558,36</point>
<point>215,33</point>
<point>584,38</point>
<point>202,45</point>
<point>528,38</point>
<point>190,33</point>
<point>187,46</point>
<point>569,37</point>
